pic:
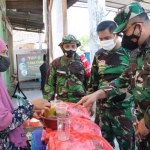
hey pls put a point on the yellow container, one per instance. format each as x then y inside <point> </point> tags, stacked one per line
<point>50,112</point>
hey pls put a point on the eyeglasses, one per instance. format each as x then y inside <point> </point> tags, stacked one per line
<point>130,26</point>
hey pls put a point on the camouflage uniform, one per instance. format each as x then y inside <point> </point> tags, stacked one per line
<point>66,78</point>
<point>137,76</point>
<point>114,115</point>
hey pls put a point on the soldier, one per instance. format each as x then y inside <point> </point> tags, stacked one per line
<point>67,75</point>
<point>134,23</point>
<point>115,116</point>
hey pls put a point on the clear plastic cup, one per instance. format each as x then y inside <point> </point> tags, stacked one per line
<point>63,128</point>
<point>61,109</point>
<point>52,111</point>
<point>54,102</point>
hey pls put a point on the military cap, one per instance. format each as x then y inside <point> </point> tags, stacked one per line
<point>130,11</point>
<point>69,39</point>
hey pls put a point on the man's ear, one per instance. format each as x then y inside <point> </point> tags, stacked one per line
<point>139,25</point>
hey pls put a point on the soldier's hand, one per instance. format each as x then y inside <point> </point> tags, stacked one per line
<point>87,101</point>
<point>89,108</point>
<point>142,130</point>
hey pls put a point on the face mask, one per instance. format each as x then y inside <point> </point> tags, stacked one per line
<point>69,53</point>
<point>131,42</point>
<point>108,44</point>
<point>4,63</point>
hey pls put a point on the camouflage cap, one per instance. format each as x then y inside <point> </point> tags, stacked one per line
<point>130,11</point>
<point>69,39</point>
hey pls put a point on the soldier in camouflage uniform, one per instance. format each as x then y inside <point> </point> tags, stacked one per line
<point>66,75</point>
<point>115,115</point>
<point>134,23</point>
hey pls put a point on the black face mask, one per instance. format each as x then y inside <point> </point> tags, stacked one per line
<point>4,63</point>
<point>69,53</point>
<point>131,42</point>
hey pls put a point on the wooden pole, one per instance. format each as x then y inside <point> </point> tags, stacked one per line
<point>50,32</point>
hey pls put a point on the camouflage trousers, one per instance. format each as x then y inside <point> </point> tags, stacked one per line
<point>145,140</point>
<point>118,123</point>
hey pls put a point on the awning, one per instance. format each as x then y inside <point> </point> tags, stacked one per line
<point>121,3</point>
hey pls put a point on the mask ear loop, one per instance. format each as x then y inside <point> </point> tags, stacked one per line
<point>140,33</point>
<point>116,39</point>
<point>134,29</point>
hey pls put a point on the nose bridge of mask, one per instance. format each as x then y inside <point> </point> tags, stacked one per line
<point>68,49</point>
<point>107,42</point>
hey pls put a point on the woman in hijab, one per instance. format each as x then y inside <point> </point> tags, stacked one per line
<point>12,136</point>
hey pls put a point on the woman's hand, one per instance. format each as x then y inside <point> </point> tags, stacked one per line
<point>36,115</point>
<point>40,104</point>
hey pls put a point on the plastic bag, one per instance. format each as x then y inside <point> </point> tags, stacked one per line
<point>84,134</point>
<point>79,141</point>
<point>78,111</point>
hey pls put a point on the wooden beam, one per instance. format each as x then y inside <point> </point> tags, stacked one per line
<point>50,6</point>
<point>17,0</point>
<point>22,20</point>
<point>50,32</point>
<point>22,23</point>
<point>8,25</point>
<point>30,4</point>
<point>29,30</point>
<point>70,3</point>
<point>17,24</point>
<point>26,26</point>
<point>26,16</point>
<point>34,11</point>
<point>83,1</point>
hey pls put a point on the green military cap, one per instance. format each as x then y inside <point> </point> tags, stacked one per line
<point>69,39</point>
<point>130,11</point>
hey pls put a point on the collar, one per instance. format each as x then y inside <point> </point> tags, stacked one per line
<point>145,45</point>
<point>73,59</point>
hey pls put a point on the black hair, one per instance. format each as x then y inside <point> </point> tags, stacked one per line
<point>143,16</point>
<point>44,57</point>
<point>110,25</point>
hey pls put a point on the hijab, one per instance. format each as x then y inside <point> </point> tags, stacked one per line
<point>16,136</point>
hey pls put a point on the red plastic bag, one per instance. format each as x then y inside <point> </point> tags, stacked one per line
<point>79,141</point>
<point>82,125</point>
<point>78,111</point>
<point>84,134</point>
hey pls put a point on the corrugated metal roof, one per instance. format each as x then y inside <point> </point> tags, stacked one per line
<point>121,3</point>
